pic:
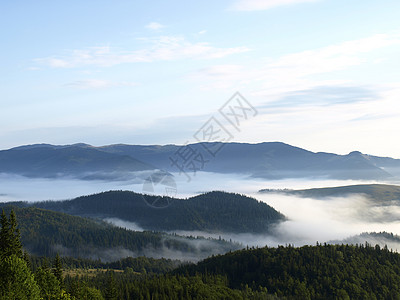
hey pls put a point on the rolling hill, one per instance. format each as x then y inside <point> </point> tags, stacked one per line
<point>212,212</point>
<point>378,193</point>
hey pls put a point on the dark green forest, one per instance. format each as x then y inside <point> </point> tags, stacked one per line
<point>212,212</point>
<point>45,233</point>
<point>325,271</point>
<point>310,272</point>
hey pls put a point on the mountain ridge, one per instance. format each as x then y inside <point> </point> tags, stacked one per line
<point>269,160</point>
<point>379,193</point>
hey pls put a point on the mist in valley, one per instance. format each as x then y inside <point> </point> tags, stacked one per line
<point>308,220</point>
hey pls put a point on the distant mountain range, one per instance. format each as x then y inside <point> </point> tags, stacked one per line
<point>77,160</point>
<point>380,194</point>
<point>213,212</point>
<point>272,160</point>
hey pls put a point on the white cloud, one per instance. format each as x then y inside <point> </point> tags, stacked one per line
<point>335,57</point>
<point>98,84</point>
<point>308,104</point>
<point>295,71</point>
<point>253,5</point>
<point>154,26</point>
<point>368,125</point>
<point>163,48</point>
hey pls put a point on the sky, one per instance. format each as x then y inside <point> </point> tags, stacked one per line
<point>318,74</point>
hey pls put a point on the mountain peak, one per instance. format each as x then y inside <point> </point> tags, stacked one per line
<point>355,153</point>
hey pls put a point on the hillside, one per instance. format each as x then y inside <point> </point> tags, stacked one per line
<point>379,193</point>
<point>46,233</point>
<point>212,212</point>
<point>272,160</point>
<point>392,241</point>
<point>309,272</point>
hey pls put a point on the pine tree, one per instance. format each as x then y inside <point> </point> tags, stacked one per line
<point>16,280</point>
<point>111,290</point>
<point>48,284</point>
<point>57,269</point>
<point>27,259</point>
<point>4,235</point>
<point>10,243</point>
<point>15,236</point>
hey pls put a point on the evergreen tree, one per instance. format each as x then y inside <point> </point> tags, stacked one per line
<point>10,243</point>
<point>4,234</point>
<point>16,280</point>
<point>27,259</point>
<point>88,293</point>
<point>57,269</point>
<point>15,236</point>
<point>111,290</point>
<point>48,283</point>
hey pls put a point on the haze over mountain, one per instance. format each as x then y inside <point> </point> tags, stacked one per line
<point>388,239</point>
<point>77,160</point>
<point>377,204</point>
<point>383,194</point>
<point>45,232</point>
<point>272,160</point>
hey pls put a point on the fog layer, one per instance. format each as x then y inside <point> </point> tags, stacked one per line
<point>309,220</point>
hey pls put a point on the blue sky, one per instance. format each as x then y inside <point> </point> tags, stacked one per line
<point>322,75</point>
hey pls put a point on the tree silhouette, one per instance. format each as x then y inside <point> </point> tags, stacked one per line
<point>10,243</point>
<point>57,269</point>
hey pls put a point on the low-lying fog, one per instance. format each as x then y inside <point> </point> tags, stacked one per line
<point>17,188</point>
<point>309,220</point>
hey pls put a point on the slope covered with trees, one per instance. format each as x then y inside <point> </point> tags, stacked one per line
<point>45,232</point>
<point>310,272</point>
<point>17,281</point>
<point>379,193</point>
<point>212,212</point>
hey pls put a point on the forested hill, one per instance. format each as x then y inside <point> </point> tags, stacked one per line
<point>310,272</point>
<point>379,193</point>
<point>392,241</point>
<point>212,212</point>
<point>46,233</point>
